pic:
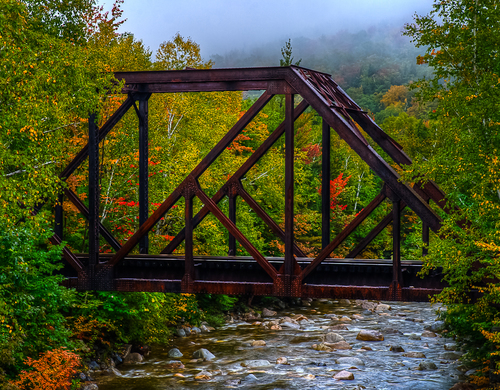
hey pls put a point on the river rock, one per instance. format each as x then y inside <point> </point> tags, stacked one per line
<point>290,325</point>
<point>195,330</point>
<point>181,333</point>
<point>250,378</point>
<point>204,329</point>
<point>390,330</point>
<point>370,335</point>
<point>174,365</point>
<point>414,336</point>
<point>299,317</point>
<point>437,326</point>
<point>344,301</point>
<point>282,360</point>
<point>369,305</point>
<point>338,327</point>
<point>332,316</point>
<point>382,307</point>
<point>305,303</point>
<point>425,365</point>
<point>90,386</point>
<point>94,366</point>
<point>258,343</point>
<point>133,358</point>
<point>352,361</point>
<point>233,382</point>
<point>344,319</point>
<point>203,376</point>
<point>463,386</point>
<point>344,376</point>
<point>179,375</point>
<point>417,355</point>
<point>396,348</point>
<point>275,327</point>
<point>427,333</point>
<point>357,316</point>
<point>450,347</point>
<point>332,337</point>
<point>204,354</point>
<point>342,345</point>
<point>322,347</point>
<point>450,355</point>
<point>268,313</point>
<point>255,363</point>
<point>175,353</point>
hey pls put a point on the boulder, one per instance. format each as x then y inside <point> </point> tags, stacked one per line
<point>450,355</point>
<point>282,360</point>
<point>204,354</point>
<point>268,313</point>
<point>370,335</point>
<point>390,330</point>
<point>427,333</point>
<point>352,361</point>
<point>195,330</point>
<point>204,329</point>
<point>344,301</point>
<point>344,376</point>
<point>332,337</point>
<point>382,307</point>
<point>322,347</point>
<point>133,358</point>
<point>258,343</point>
<point>450,347</point>
<point>425,365</point>
<point>175,353</point>
<point>369,305</point>
<point>396,348</point>
<point>414,336</point>
<point>250,378</point>
<point>90,386</point>
<point>344,319</point>
<point>181,333</point>
<point>437,326</point>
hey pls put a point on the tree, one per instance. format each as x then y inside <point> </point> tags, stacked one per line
<point>286,53</point>
<point>462,41</point>
<point>180,53</point>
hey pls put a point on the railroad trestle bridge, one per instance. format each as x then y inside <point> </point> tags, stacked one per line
<point>294,275</point>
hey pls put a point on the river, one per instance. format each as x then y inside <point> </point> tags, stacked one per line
<point>418,359</point>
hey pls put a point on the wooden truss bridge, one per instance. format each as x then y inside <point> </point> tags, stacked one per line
<point>294,275</point>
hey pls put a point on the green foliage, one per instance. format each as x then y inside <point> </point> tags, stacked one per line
<point>31,298</point>
<point>462,41</point>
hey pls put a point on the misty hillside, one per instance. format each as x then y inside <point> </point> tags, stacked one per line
<point>373,59</point>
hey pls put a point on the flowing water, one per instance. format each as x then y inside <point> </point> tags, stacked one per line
<point>307,368</point>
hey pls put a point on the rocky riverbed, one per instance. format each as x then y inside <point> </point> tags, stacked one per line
<point>319,344</point>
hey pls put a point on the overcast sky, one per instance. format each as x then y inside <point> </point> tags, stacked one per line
<point>219,26</point>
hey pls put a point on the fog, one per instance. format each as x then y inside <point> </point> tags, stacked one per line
<point>222,26</point>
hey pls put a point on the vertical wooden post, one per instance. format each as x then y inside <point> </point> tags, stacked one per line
<point>397,277</point>
<point>143,170</point>
<point>425,238</point>
<point>188,243</point>
<point>232,218</point>
<point>94,194</point>
<point>289,191</point>
<point>325,186</point>
<point>58,216</point>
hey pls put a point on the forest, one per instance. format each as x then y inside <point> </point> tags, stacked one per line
<point>433,86</point>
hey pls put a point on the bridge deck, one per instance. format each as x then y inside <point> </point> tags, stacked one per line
<point>339,278</point>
